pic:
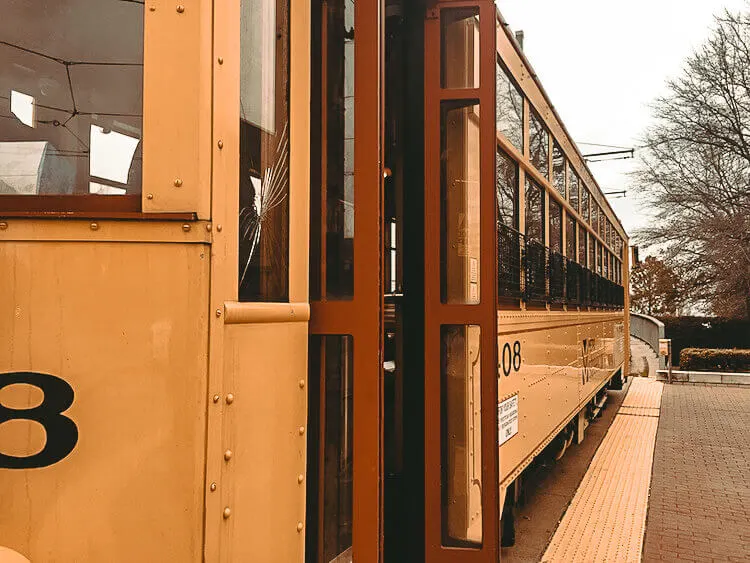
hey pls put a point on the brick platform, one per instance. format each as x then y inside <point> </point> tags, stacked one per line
<point>699,507</point>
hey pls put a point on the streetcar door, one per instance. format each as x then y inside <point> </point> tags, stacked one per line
<point>460,322</point>
<point>344,521</point>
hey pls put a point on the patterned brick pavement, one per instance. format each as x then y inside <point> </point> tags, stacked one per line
<point>699,507</point>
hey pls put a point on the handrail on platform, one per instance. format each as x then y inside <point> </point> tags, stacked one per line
<point>650,330</point>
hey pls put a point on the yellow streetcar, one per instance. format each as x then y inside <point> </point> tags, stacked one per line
<point>288,281</point>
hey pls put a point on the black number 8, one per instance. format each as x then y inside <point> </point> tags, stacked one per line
<point>516,355</point>
<point>511,359</point>
<point>62,433</point>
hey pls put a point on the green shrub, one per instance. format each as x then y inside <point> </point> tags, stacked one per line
<point>705,332</point>
<point>713,359</point>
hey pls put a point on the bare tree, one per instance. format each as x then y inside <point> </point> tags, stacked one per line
<point>694,170</point>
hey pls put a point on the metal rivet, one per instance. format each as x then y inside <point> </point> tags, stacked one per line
<point>220,144</point>
<point>3,226</point>
<point>300,525</point>
<point>218,312</point>
<point>230,399</point>
<point>180,9</point>
<point>221,60</point>
<point>301,383</point>
<point>177,183</point>
<point>94,226</point>
<point>186,227</point>
<point>152,9</point>
<point>301,430</point>
<point>208,227</point>
<point>228,455</point>
<point>218,228</point>
<point>149,196</point>
<point>227,512</point>
<point>213,487</point>
<point>300,478</point>
<point>216,398</point>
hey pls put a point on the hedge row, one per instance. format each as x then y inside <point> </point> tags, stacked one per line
<point>705,332</point>
<point>713,359</point>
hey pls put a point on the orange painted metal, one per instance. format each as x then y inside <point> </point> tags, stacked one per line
<point>361,316</point>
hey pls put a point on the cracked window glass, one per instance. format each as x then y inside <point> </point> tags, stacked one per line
<point>264,151</point>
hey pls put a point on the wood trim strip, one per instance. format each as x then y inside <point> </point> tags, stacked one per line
<point>65,204</point>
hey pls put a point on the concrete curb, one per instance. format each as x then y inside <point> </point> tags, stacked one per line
<point>713,377</point>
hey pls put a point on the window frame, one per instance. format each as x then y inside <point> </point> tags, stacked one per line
<point>501,67</point>
<point>534,117</point>
<point>176,172</point>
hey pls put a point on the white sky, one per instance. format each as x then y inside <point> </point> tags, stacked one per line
<point>603,62</point>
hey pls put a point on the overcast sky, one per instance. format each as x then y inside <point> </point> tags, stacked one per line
<point>603,62</point>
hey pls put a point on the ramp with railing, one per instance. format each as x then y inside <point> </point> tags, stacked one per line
<point>650,330</point>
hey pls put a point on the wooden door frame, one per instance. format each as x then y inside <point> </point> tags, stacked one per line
<point>362,316</point>
<point>437,313</point>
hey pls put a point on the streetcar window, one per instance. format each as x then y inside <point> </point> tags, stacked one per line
<point>264,151</point>
<point>595,216</point>
<point>509,108</point>
<point>570,242</point>
<point>460,202</point>
<point>585,205</point>
<point>582,237</point>
<point>592,252</point>
<point>506,185</point>
<point>534,211</point>
<point>459,39</point>
<point>538,144</point>
<point>606,264</point>
<point>558,168</point>
<point>331,436</point>
<point>573,185</point>
<point>555,227</point>
<point>71,98</point>
<point>461,436</point>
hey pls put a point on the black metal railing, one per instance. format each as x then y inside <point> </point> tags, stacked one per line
<point>530,271</point>
<point>573,273</point>
<point>535,259</point>
<point>509,266</point>
<point>556,275</point>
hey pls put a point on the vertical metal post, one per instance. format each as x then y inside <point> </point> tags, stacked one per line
<point>669,361</point>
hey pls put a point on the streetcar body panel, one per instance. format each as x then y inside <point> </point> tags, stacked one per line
<point>566,357</point>
<point>125,326</point>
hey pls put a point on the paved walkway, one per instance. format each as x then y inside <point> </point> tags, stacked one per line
<point>606,518</point>
<point>699,508</point>
<point>550,486</point>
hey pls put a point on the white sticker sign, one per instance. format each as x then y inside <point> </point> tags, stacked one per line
<point>507,419</point>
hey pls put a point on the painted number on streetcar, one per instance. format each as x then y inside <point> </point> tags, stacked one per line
<point>62,433</point>
<point>511,358</point>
